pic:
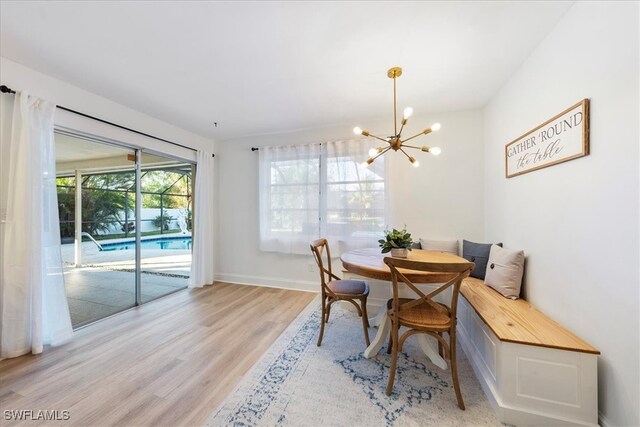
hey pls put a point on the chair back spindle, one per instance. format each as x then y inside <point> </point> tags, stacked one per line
<point>458,271</point>
<point>320,250</point>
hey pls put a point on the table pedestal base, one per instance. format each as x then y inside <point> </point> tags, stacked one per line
<point>426,342</point>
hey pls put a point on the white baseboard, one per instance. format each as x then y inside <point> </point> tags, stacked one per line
<point>269,282</point>
<point>373,304</point>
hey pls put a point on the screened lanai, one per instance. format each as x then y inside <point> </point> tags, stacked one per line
<point>98,212</point>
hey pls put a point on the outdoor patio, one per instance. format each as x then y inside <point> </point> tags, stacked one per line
<point>105,284</point>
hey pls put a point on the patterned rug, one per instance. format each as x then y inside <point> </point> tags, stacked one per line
<point>297,383</point>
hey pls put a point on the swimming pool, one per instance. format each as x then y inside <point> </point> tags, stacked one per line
<point>159,243</point>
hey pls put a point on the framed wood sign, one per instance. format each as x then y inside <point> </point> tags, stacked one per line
<point>559,139</point>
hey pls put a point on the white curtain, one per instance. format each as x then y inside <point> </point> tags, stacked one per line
<point>202,264</point>
<point>320,190</point>
<point>355,196</point>
<point>33,304</point>
<point>289,204</point>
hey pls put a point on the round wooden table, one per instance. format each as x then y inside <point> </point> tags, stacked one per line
<point>370,263</point>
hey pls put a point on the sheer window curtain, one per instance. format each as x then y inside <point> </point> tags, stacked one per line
<point>34,309</point>
<point>355,196</point>
<point>289,205</point>
<point>320,190</point>
<point>202,263</point>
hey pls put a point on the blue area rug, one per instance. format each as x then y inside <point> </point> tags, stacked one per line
<point>297,383</point>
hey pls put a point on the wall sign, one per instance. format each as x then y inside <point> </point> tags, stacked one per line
<point>562,138</point>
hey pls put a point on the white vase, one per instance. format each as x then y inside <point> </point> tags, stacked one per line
<point>400,252</point>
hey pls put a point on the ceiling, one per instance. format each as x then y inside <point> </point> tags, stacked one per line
<point>267,67</point>
<point>71,149</point>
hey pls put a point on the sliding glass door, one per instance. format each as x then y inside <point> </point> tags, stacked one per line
<point>125,225</point>
<point>96,200</point>
<point>165,224</point>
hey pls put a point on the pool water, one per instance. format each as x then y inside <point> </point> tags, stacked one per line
<point>161,243</point>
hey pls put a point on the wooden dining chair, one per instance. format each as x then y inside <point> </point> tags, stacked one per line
<point>336,289</point>
<point>423,314</point>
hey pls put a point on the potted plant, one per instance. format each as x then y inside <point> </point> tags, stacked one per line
<point>398,242</point>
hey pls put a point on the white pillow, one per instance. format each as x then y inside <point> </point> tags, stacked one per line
<point>450,246</point>
<point>504,271</point>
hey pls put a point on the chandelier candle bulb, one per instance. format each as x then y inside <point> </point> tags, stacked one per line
<point>357,130</point>
<point>436,127</point>
<point>408,112</point>
<point>435,151</point>
<point>373,152</point>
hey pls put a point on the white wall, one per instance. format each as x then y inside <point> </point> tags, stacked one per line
<point>19,77</point>
<point>147,215</point>
<point>443,198</point>
<point>578,221</point>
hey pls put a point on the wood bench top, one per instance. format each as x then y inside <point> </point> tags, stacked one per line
<point>518,321</point>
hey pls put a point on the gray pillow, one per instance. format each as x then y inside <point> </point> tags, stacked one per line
<point>450,246</point>
<point>478,253</point>
<point>504,272</point>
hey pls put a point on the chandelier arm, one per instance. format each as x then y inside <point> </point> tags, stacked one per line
<point>381,153</point>
<point>405,153</point>
<point>414,136</point>
<point>401,127</point>
<point>373,159</point>
<point>411,159</point>
<point>381,139</point>
<point>411,146</point>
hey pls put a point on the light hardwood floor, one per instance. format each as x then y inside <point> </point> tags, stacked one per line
<point>170,362</point>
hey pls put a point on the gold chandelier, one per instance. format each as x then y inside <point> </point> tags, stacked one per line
<point>396,142</point>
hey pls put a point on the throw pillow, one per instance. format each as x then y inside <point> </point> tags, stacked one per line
<point>450,246</point>
<point>504,271</point>
<point>478,253</point>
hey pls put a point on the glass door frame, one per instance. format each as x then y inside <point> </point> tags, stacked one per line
<point>138,223</point>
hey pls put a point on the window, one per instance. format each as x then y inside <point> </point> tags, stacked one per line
<point>308,191</point>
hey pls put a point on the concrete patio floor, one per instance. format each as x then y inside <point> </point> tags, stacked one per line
<point>105,284</point>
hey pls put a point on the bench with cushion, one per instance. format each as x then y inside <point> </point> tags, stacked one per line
<point>533,370</point>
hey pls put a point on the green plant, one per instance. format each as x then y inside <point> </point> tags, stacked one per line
<point>102,209</point>
<point>396,239</point>
<point>162,221</point>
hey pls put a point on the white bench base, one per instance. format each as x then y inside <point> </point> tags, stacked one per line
<point>526,384</point>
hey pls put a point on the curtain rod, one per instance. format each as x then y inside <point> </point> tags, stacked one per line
<point>5,89</point>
